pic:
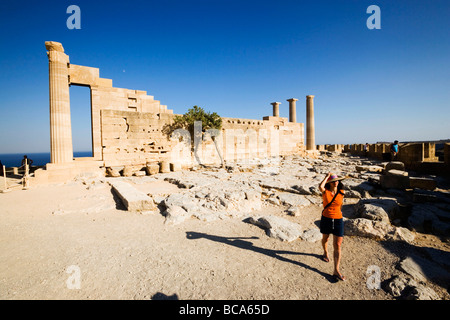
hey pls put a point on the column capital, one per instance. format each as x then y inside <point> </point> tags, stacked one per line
<point>55,52</point>
<point>275,103</point>
<point>310,97</point>
<point>54,46</point>
<point>292,99</point>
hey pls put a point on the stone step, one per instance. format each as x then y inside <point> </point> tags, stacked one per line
<point>63,172</point>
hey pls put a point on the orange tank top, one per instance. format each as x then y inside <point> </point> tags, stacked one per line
<point>334,210</point>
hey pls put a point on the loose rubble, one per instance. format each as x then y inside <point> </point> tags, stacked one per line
<point>381,203</point>
<point>277,227</point>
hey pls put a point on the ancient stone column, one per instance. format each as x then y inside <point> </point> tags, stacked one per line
<point>310,139</point>
<point>292,110</point>
<point>276,109</point>
<point>61,150</point>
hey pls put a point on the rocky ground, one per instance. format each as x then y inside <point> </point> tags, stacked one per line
<point>246,231</point>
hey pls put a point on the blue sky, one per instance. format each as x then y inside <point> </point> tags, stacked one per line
<point>235,58</point>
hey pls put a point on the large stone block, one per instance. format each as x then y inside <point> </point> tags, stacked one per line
<point>152,169</point>
<point>133,199</point>
<point>277,227</point>
<point>83,75</point>
<point>397,165</point>
<point>127,171</point>
<point>394,181</point>
<point>164,166</point>
<point>175,166</point>
<point>422,183</point>
<point>395,172</point>
<point>371,168</point>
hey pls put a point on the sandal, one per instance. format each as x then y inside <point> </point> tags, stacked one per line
<point>339,277</point>
<point>325,258</point>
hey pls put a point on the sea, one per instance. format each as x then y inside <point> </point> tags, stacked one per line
<point>39,159</point>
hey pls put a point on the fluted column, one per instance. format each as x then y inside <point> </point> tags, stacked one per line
<point>61,150</point>
<point>292,110</point>
<point>310,134</point>
<point>276,109</point>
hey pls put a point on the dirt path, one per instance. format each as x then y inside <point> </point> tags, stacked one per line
<point>50,235</point>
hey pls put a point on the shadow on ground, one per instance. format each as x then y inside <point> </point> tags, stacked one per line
<point>162,296</point>
<point>244,244</point>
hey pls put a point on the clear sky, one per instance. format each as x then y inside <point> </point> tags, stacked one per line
<point>235,57</point>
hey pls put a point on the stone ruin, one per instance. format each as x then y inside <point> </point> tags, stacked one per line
<point>128,129</point>
<point>416,156</point>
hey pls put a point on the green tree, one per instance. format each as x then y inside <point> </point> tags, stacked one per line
<point>208,120</point>
<point>186,121</point>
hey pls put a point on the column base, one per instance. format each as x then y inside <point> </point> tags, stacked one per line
<point>63,172</point>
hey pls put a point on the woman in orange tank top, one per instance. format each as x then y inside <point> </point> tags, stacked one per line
<point>331,220</point>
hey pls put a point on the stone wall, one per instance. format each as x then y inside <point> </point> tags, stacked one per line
<point>105,96</point>
<point>246,138</point>
<point>130,137</point>
<point>420,157</point>
<point>138,138</point>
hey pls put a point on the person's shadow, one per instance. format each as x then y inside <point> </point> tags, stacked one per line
<point>238,242</point>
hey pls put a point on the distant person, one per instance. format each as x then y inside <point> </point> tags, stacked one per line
<point>394,150</point>
<point>366,149</point>
<point>332,220</point>
<point>1,168</point>
<point>28,161</point>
